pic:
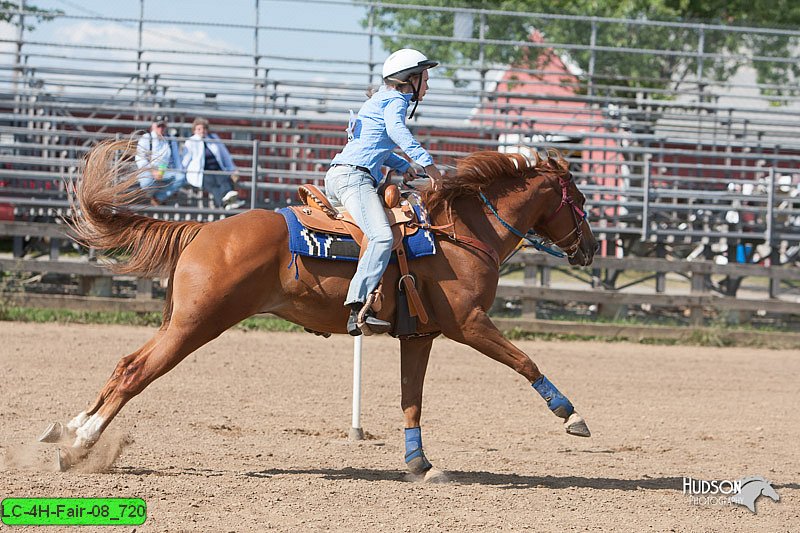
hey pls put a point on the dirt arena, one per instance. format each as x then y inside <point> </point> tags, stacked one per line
<point>249,434</point>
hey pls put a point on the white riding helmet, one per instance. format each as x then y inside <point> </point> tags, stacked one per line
<point>405,63</point>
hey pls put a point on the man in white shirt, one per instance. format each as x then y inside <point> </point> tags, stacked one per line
<point>161,161</point>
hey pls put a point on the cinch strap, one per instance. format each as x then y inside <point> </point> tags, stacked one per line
<point>557,402</point>
<point>294,262</point>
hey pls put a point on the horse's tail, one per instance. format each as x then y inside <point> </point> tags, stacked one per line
<point>105,219</point>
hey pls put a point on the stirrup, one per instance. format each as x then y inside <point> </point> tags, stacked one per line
<point>363,320</point>
<point>367,322</point>
<point>372,325</point>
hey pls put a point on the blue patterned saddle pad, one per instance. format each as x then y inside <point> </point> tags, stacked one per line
<point>309,243</point>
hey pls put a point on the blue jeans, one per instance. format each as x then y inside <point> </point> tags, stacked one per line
<point>217,185</point>
<point>165,187</point>
<point>356,191</point>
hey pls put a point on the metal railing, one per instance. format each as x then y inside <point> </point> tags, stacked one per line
<point>661,166</point>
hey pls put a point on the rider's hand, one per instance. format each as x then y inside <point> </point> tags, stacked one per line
<point>434,175</point>
<point>414,172</point>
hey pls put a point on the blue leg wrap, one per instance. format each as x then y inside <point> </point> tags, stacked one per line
<point>415,458</point>
<point>557,402</point>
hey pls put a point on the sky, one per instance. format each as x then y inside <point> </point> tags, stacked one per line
<point>326,31</point>
<point>182,32</point>
<point>297,13</point>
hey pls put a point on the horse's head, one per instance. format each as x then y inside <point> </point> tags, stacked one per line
<point>563,219</point>
<point>538,195</point>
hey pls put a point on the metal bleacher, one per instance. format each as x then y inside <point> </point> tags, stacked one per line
<point>702,170</point>
<point>664,166</point>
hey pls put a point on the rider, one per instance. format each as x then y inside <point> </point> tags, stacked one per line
<point>355,172</point>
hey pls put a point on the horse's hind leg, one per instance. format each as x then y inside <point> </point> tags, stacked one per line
<point>132,374</point>
<point>479,332</point>
<point>57,432</point>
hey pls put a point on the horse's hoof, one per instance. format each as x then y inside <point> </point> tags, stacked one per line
<point>66,458</point>
<point>53,433</point>
<point>576,425</point>
<point>419,464</point>
<point>61,461</point>
<point>434,475</point>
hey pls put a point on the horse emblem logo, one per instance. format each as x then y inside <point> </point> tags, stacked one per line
<point>752,488</point>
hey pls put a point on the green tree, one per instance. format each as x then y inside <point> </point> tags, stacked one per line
<point>626,70</point>
<point>10,9</point>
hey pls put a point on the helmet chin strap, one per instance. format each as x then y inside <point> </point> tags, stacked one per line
<point>415,98</point>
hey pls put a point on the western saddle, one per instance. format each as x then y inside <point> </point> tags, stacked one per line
<point>318,214</point>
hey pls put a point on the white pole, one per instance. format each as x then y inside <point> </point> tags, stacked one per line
<point>356,433</point>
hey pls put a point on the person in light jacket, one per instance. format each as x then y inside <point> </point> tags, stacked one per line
<point>160,161</point>
<point>207,162</point>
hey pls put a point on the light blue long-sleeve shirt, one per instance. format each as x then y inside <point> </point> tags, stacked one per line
<point>379,128</point>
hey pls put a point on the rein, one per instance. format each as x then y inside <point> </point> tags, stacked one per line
<point>463,239</point>
<point>543,244</point>
<point>531,237</point>
<point>469,241</point>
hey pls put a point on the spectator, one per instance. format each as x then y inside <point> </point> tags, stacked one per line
<point>205,159</point>
<point>161,163</point>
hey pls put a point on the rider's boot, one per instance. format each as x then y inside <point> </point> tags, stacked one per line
<point>361,320</point>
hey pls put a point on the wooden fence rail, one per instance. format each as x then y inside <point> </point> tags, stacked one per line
<point>603,277</point>
<point>601,283</point>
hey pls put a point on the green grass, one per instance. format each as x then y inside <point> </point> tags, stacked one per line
<point>713,337</point>
<point>268,323</point>
<point>63,316</point>
<point>128,318</point>
<point>709,337</point>
<point>519,334</point>
<point>628,276</point>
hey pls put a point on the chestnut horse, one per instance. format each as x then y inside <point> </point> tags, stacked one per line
<point>224,271</point>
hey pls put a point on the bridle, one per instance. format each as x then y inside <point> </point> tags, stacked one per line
<point>542,243</point>
<point>578,216</point>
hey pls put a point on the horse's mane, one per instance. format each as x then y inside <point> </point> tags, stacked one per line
<point>478,171</point>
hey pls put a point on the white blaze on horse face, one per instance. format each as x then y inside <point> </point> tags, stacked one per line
<point>89,432</point>
<point>78,421</point>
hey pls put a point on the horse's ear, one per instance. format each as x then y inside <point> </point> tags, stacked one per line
<point>552,163</point>
<point>537,158</point>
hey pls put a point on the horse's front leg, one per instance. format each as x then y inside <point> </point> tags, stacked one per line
<point>479,332</point>
<point>414,355</point>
